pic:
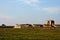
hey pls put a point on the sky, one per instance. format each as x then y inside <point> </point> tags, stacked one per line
<point>29,11</point>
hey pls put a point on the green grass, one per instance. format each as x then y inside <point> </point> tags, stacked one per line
<point>29,34</point>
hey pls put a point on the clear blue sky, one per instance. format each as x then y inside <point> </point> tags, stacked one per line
<point>29,11</point>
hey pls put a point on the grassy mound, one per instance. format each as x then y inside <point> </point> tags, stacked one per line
<point>29,34</point>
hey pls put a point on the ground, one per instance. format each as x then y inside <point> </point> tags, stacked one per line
<point>30,34</point>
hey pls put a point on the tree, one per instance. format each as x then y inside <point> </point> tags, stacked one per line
<point>3,25</point>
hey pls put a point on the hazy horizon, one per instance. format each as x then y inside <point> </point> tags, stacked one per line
<point>29,11</point>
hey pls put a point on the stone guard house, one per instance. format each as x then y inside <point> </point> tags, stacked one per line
<point>49,23</point>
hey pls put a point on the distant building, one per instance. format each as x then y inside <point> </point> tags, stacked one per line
<point>23,26</point>
<point>37,25</point>
<point>17,26</point>
<point>49,23</point>
<point>26,25</point>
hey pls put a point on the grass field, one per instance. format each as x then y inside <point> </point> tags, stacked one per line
<point>29,34</point>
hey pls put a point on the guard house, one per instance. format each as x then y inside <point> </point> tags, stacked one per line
<point>50,23</point>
